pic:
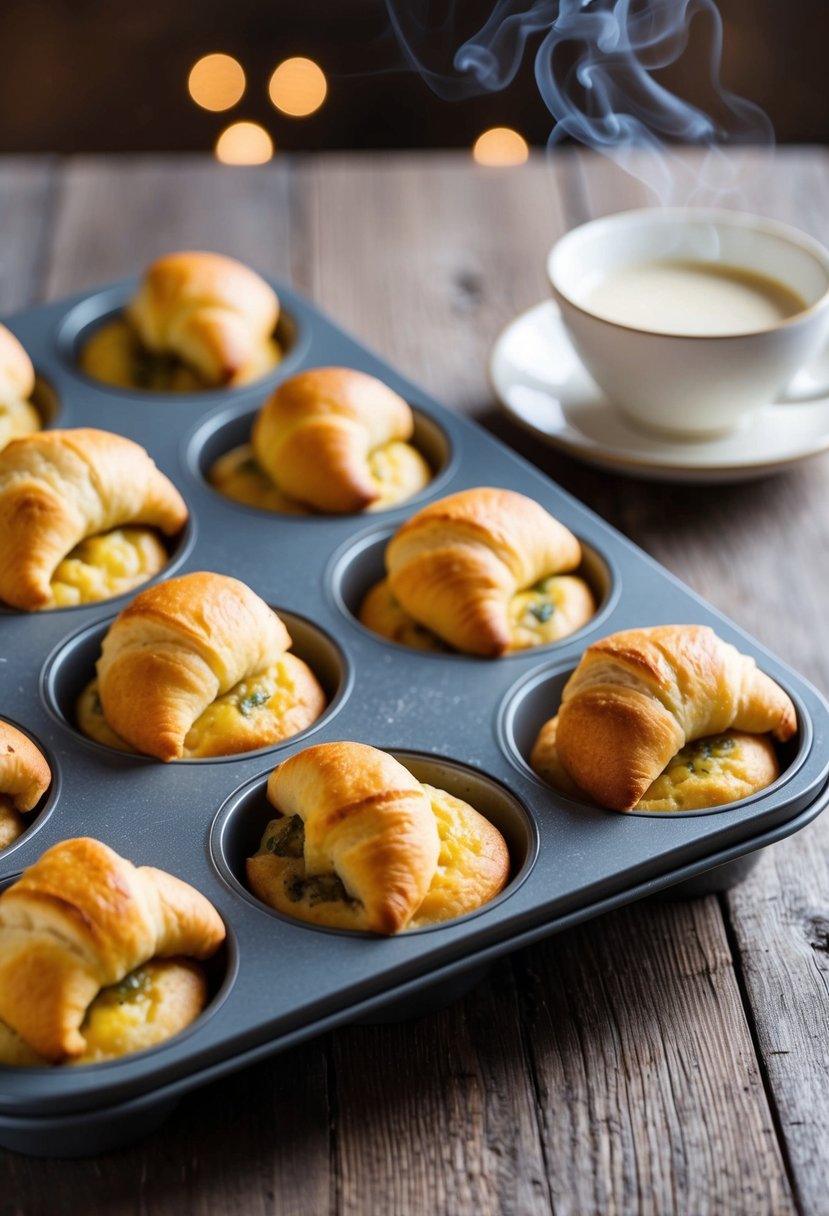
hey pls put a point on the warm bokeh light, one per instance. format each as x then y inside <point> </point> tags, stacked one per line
<point>298,87</point>
<point>500,146</point>
<point>244,143</point>
<point>216,82</point>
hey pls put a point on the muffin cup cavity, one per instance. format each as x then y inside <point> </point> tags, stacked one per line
<point>71,666</point>
<point>36,818</point>
<point>536,698</point>
<point>102,307</point>
<point>360,564</point>
<point>238,827</point>
<point>230,429</point>
<point>178,547</point>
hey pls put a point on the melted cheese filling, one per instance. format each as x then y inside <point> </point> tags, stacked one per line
<point>107,565</point>
<point>552,609</point>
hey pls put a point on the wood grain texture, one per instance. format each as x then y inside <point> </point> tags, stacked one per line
<point>28,197</point>
<point>256,1144</point>
<point>439,1115</point>
<point>115,216</point>
<point>445,254</point>
<point>614,1068</point>
<point>651,1097</point>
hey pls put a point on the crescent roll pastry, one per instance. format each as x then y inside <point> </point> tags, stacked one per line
<point>83,918</point>
<point>17,383</point>
<point>24,779</point>
<point>485,570</point>
<point>361,844</point>
<point>473,863</point>
<point>638,697</point>
<point>709,772</point>
<point>198,320</point>
<point>196,666</point>
<point>60,487</point>
<point>329,439</point>
<point>154,1002</point>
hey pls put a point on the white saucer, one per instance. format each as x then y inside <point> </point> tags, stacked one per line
<point>540,382</point>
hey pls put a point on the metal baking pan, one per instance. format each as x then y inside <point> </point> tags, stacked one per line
<point>464,723</point>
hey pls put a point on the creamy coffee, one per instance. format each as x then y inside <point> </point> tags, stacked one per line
<point>687,297</point>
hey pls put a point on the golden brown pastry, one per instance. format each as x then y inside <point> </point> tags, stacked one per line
<point>709,772</point>
<point>638,697</point>
<point>329,439</point>
<point>361,844</point>
<point>81,919</point>
<point>198,320</point>
<point>18,416</point>
<point>24,779</point>
<point>485,570</point>
<point>383,614</point>
<point>154,1002</point>
<point>197,666</point>
<point>473,863</point>
<point>60,487</point>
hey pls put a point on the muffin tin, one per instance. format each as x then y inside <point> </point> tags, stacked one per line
<point>464,723</point>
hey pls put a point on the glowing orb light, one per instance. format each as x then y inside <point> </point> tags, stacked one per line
<point>216,82</point>
<point>298,87</point>
<point>244,143</point>
<point>500,146</point>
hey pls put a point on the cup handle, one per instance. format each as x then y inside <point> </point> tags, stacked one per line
<point>811,383</point>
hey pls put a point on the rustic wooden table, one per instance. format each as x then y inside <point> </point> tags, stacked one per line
<point>667,1058</point>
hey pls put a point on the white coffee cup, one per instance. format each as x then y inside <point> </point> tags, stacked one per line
<point>693,385</point>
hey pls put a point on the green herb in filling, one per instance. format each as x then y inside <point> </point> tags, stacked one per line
<point>543,611</point>
<point>318,889</point>
<point>697,753</point>
<point>136,981</point>
<point>251,702</point>
<point>288,837</point>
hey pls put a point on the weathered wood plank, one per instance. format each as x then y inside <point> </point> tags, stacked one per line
<point>425,258</point>
<point>437,1115</point>
<point>256,1144</point>
<point>649,1089</point>
<point>27,198</point>
<point>780,920</point>
<point>442,1120</point>
<point>115,216</point>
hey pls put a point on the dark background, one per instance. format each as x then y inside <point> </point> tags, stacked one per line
<point>101,76</point>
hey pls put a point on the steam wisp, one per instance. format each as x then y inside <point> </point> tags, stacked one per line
<point>595,68</point>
